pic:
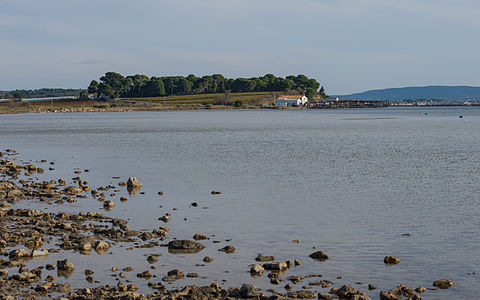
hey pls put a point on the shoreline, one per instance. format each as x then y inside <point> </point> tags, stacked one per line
<point>29,234</point>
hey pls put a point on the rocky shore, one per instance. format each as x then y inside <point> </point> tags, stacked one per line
<point>28,234</point>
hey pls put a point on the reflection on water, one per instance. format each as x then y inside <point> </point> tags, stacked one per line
<point>356,184</point>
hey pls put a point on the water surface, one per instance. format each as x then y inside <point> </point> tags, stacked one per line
<point>348,182</point>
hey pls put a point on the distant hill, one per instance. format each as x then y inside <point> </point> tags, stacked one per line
<point>415,93</point>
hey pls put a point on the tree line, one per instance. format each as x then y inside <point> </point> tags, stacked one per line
<point>40,93</point>
<point>114,85</point>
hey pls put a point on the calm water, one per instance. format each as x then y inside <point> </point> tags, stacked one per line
<point>335,180</point>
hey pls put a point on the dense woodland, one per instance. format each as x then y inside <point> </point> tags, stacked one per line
<point>114,85</point>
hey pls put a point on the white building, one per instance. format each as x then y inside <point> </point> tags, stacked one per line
<point>297,100</point>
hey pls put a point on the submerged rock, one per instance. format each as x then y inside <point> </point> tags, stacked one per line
<point>227,249</point>
<point>391,260</point>
<point>185,246</point>
<point>65,265</point>
<point>443,283</point>
<point>319,255</point>
<point>348,292</point>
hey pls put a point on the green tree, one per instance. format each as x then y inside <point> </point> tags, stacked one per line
<point>17,95</point>
<point>153,88</point>
<point>104,90</point>
<point>310,93</point>
<point>117,82</point>
<point>83,95</point>
<point>93,87</point>
<point>322,92</point>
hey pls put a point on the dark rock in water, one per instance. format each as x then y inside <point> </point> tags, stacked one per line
<point>65,265</point>
<point>327,296</point>
<point>303,294</point>
<point>319,255</point>
<point>19,253</point>
<point>264,258</point>
<point>173,275</point>
<point>371,287</point>
<point>215,193</point>
<point>207,259</point>
<point>199,237</point>
<point>275,266</point>
<point>145,275</point>
<point>420,289</point>
<point>443,283</point>
<point>152,259</point>
<point>399,292</point>
<point>348,292</point>
<point>184,246</point>
<point>256,270</point>
<point>133,183</point>
<point>227,249</point>
<point>391,260</point>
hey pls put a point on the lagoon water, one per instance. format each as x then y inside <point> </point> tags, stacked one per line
<point>348,182</point>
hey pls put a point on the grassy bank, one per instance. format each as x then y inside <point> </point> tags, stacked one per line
<point>201,101</point>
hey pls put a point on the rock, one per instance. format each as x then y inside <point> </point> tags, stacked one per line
<point>319,255</point>
<point>443,283</point>
<point>146,274</point>
<point>192,275</point>
<point>303,294</point>
<point>420,289</point>
<point>227,249</point>
<point>164,218</point>
<point>108,204</point>
<point>249,291</point>
<point>276,266</point>
<point>173,275</point>
<point>397,293</point>
<point>371,287</point>
<point>348,292</point>
<point>257,270</point>
<point>185,246</point>
<point>327,296</point>
<point>65,265</point>
<point>215,193</point>
<point>19,253</point>
<point>264,258</point>
<point>132,182</point>
<point>391,260</point>
<point>85,247</point>
<point>152,259</point>
<point>101,247</point>
<point>72,190</point>
<point>37,253</point>
<point>199,237</point>
<point>207,259</point>
<point>297,262</point>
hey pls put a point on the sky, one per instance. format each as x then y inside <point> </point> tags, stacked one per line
<point>347,45</point>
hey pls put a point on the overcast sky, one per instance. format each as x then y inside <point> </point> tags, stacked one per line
<point>347,45</point>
